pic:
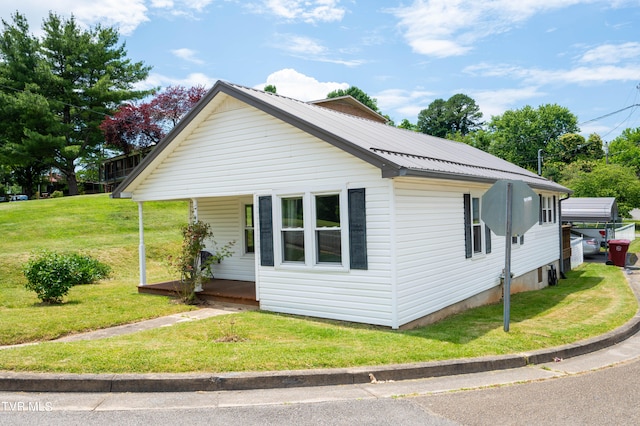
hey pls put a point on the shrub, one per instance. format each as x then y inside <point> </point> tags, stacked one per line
<point>56,194</point>
<point>52,274</point>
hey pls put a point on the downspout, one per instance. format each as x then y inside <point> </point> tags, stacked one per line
<point>141,247</point>
<point>395,321</point>
<point>562,275</point>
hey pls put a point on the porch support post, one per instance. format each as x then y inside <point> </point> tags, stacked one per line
<point>194,207</point>
<point>141,248</point>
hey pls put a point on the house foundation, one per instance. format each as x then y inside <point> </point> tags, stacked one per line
<point>533,280</point>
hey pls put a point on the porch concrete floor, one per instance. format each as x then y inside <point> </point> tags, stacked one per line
<point>215,290</point>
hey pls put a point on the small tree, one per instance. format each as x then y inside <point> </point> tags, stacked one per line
<point>145,124</point>
<point>190,264</point>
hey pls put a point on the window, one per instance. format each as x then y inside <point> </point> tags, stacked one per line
<point>249,245</point>
<point>547,209</point>
<point>517,240</point>
<point>477,228</point>
<point>292,230</point>
<point>477,236</point>
<point>326,234</point>
<point>327,229</point>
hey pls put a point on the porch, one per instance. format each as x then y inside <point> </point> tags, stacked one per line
<point>215,290</point>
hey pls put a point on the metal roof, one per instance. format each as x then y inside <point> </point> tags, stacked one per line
<point>590,209</point>
<point>397,152</point>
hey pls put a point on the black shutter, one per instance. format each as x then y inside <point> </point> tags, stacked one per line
<point>487,241</point>
<point>467,226</point>
<point>266,230</point>
<point>358,229</point>
<point>554,209</point>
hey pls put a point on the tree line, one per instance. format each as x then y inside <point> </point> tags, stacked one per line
<point>544,140</point>
<point>68,101</point>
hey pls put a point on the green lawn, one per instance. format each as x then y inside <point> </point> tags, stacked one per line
<point>594,298</point>
<point>104,228</point>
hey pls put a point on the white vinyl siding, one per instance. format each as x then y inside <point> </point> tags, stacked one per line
<point>210,164</point>
<point>227,224</point>
<point>212,161</point>
<point>432,270</point>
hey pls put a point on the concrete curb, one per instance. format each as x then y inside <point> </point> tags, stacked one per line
<point>192,382</point>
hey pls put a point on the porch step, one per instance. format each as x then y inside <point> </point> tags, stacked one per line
<point>233,292</point>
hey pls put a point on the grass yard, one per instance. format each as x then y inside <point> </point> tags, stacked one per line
<point>594,298</point>
<point>104,228</point>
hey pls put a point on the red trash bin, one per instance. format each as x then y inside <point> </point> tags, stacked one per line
<point>618,251</point>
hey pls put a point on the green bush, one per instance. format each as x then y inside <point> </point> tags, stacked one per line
<point>57,194</point>
<point>52,274</point>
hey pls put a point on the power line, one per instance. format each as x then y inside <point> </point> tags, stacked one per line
<point>609,115</point>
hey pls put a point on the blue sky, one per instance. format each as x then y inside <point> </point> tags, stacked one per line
<point>505,54</point>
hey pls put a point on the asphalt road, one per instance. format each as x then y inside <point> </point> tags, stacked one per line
<point>608,396</point>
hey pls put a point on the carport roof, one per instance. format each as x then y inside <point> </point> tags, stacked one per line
<point>590,209</point>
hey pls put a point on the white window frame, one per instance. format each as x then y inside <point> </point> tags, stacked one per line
<point>517,240</point>
<point>310,239</point>
<point>547,209</point>
<point>246,228</point>
<point>481,225</point>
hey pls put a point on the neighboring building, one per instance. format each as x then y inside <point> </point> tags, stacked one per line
<point>350,105</point>
<point>340,217</point>
<point>116,169</point>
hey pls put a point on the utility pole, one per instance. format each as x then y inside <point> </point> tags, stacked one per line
<point>540,162</point>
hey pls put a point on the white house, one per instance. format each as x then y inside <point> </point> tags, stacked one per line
<point>341,217</point>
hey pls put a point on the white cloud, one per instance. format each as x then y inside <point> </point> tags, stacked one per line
<point>126,15</point>
<point>197,5</point>
<point>301,45</point>
<point>162,4</point>
<point>188,55</point>
<point>576,75</point>
<point>612,53</point>
<point>310,11</point>
<point>293,84</point>
<point>163,81</point>
<point>443,28</point>
<point>309,49</point>
<point>496,102</point>
<point>405,102</point>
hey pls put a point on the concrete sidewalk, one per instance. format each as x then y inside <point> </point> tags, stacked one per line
<point>610,348</point>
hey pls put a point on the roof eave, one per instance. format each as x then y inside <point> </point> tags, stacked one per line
<point>391,172</point>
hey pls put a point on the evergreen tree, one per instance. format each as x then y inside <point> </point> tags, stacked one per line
<point>82,74</point>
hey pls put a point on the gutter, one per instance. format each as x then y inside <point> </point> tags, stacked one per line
<point>562,271</point>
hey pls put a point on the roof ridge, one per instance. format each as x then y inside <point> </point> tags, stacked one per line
<point>424,157</point>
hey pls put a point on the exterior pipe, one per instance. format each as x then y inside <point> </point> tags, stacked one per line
<point>562,271</point>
